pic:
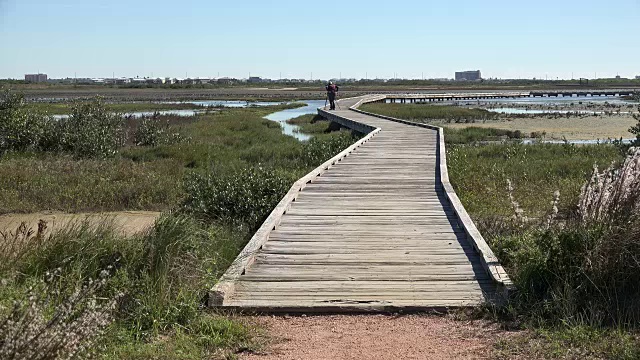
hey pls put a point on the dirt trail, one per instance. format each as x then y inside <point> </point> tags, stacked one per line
<point>129,222</point>
<point>375,337</point>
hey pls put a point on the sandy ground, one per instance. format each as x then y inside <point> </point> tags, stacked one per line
<point>586,128</point>
<point>376,337</point>
<point>130,222</point>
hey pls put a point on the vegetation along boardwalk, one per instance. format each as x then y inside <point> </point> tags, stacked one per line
<point>376,228</point>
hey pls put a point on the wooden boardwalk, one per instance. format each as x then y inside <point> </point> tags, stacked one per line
<point>374,229</point>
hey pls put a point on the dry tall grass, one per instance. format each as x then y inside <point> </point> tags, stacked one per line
<point>583,269</point>
<point>613,195</point>
<point>38,329</point>
<point>15,244</point>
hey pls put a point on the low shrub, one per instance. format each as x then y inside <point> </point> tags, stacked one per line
<point>20,129</point>
<point>91,131</point>
<point>320,149</point>
<point>238,196</point>
<point>152,131</point>
<point>470,135</point>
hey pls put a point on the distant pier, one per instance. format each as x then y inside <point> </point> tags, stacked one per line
<point>422,98</point>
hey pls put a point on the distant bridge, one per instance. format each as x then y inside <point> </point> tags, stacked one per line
<point>460,96</point>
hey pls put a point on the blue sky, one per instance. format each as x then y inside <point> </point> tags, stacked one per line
<point>506,39</point>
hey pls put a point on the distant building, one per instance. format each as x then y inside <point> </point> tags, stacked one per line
<point>468,75</point>
<point>637,77</point>
<point>254,79</point>
<point>226,81</point>
<point>139,81</point>
<point>154,81</point>
<point>35,78</point>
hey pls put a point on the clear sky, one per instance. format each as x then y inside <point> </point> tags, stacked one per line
<point>507,39</point>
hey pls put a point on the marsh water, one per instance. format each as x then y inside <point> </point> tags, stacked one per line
<point>509,110</point>
<point>284,115</point>
<point>614,100</point>
<point>280,117</point>
<point>225,103</point>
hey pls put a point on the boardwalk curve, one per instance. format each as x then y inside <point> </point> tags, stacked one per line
<point>376,228</point>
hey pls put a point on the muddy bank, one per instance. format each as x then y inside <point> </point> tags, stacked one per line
<point>128,222</point>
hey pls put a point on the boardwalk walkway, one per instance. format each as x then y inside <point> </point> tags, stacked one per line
<point>375,231</point>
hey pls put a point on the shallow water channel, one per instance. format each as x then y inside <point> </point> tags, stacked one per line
<point>508,110</point>
<point>284,115</point>
<point>613,100</point>
<point>280,117</point>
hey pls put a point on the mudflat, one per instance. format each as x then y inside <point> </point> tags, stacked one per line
<point>574,128</point>
<point>128,222</point>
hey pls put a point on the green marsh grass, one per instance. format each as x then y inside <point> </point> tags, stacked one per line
<point>536,171</point>
<point>311,124</point>
<point>426,113</point>
<point>65,108</point>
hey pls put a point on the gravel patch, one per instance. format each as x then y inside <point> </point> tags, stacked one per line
<point>375,337</point>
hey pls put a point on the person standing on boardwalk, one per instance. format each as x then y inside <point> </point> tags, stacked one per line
<point>332,91</point>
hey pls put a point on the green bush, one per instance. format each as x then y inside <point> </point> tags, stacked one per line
<point>239,196</point>
<point>152,131</point>
<point>320,149</point>
<point>91,131</point>
<point>575,274</point>
<point>20,129</point>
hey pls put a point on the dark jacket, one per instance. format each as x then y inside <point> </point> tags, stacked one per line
<point>333,88</point>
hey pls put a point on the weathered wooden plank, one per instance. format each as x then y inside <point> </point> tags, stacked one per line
<point>312,278</point>
<point>297,286</point>
<point>367,245</point>
<point>351,305</point>
<point>371,269</point>
<point>334,296</point>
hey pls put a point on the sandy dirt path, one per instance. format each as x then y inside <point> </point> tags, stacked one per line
<point>375,337</point>
<point>129,222</point>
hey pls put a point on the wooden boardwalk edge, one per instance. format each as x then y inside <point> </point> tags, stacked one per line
<point>490,262</point>
<point>225,286</point>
